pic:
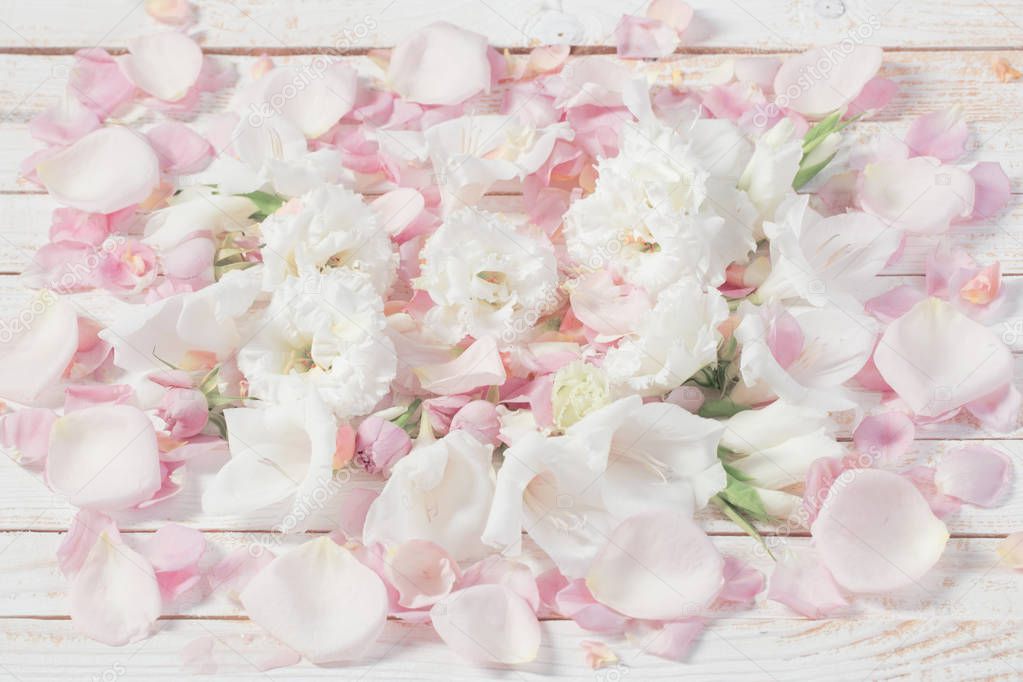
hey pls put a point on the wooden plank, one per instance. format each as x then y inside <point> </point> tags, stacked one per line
<point>26,503</point>
<point>929,82</point>
<point>922,647</point>
<point>34,586</point>
<point>359,24</point>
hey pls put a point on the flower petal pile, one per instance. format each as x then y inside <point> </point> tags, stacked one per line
<point>512,408</point>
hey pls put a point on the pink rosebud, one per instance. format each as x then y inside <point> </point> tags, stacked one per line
<point>983,287</point>
<point>185,411</point>
<point>379,444</point>
<point>480,419</point>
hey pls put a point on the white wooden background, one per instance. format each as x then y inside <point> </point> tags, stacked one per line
<point>965,620</point>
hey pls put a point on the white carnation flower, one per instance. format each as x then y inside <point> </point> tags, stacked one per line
<point>328,227</point>
<point>488,275</point>
<point>327,331</point>
<point>678,337</point>
<point>659,213</point>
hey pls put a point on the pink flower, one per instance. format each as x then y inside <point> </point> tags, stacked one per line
<point>379,444</point>
<point>185,411</point>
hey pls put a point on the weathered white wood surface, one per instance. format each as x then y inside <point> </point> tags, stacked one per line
<point>962,621</point>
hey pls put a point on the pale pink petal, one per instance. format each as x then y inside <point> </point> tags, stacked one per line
<point>1011,550</point>
<point>941,134</point>
<point>885,437</point>
<point>992,189</point>
<point>479,365</point>
<point>37,347</point>
<point>672,641</point>
<point>320,601</point>
<point>422,573</point>
<point>104,457</point>
<point>742,582</point>
<point>281,657</point>
<point>1000,410</point>
<point>851,67</point>
<point>608,308</point>
<point>941,504</point>
<point>64,122</point>
<point>480,418</point>
<point>598,654</point>
<point>78,397</point>
<point>575,601</point>
<point>234,571</point>
<point>379,444</point>
<point>876,532</point>
<point>918,195</point>
<point>876,95</point>
<point>644,38</point>
<point>181,150</point>
<point>440,64</point>
<point>785,339</point>
<point>105,171</point>
<point>77,226</point>
<point>822,475</point>
<point>173,12</point>
<point>657,565</point>
<point>197,656</point>
<point>488,624</point>
<point>894,303</point>
<point>174,547</point>
<point>25,434</point>
<point>319,104</point>
<point>98,83</point>
<point>397,209</point>
<point>976,474</point>
<point>190,260</point>
<point>802,583</point>
<point>674,13</point>
<point>938,360</point>
<point>354,508</point>
<point>85,529</point>
<point>114,597</point>
<point>165,65</point>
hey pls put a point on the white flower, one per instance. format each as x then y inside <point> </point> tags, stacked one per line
<point>439,492</point>
<point>831,345</point>
<point>768,177</point>
<point>579,389</point>
<point>197,211</point>
<point>815,259</point>
<point>569,492</point>
<point>211,320</point>
<point>470,153</point>
<point>678,336</point>
<point>327,331</point>
<point>278,451</point>
<point>327,227</point>
<point>658,213</point>
<point>774,447</point>
<point>489,275</point>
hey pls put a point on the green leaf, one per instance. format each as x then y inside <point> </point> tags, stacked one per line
<point>815,135</point>
<point>266,203</point>
<point>743,496</point>
<point>741,521</point>
<point>723,407</point>
<point>217,419</point>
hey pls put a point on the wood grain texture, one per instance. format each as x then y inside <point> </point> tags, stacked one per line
<point>255,25</point>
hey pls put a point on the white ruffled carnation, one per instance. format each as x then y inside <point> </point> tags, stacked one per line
<point>489,275</point>
<point>658,213</point>
<point>328,227</point>
<point>327,331</point>
<point>678,336</point>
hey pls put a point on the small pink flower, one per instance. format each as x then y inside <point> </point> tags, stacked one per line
<point>185,411</point>
<point>130,266</point>
<point>983,287</point>
<point>379,444</point>
<point>479,418</point>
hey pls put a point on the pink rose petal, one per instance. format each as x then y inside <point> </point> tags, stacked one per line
<point>976,474</point>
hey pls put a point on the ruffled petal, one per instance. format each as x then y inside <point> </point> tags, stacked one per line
<point>421,572</point>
